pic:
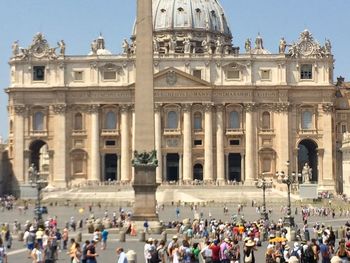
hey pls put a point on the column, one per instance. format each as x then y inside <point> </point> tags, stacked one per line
<point>158,141</point>
<point>187,143</point>
<point>328,179</point>
<point>226,167</point>
<point>282,135</point>
<point>119,168</point>
<point>320,153</point>
<point>208,144</point>
<point>94,144</point>
<point>242,167</point>
<point>220,157</point>
<point>250,131</point>
<point>18,167</point>
<point>133,140</point>
<point>164,168</point>
<point>59,160</point>
<point>125,145</point>
<point>180,169</point>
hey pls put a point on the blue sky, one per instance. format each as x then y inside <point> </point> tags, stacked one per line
<point>78,22</point>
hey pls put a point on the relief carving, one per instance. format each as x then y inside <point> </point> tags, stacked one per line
<point>328,107</point>
<point>59,108</point>
<point>249,107</point>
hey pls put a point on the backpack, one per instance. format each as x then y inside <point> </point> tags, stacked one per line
<point>295,254</point>
<point>154,256</point>
<point>309,254</point>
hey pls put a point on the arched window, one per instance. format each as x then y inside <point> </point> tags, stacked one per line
<point>172,120</point>
<point>234,120</point>
<point>306,122</point>
<point>266,120</point>
<point>197,121</point>
<point>78,121</point>
<point>38,122</point>
<point>111,121</point>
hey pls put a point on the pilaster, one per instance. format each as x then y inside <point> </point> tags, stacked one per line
<point>220,157</point>
<point>125,145</point>
<point>94,144</point>
<point>208,143</point>
<point>19,169</point>
<point>250,142</point>
<point>158,141</point>
<point>187,143</point>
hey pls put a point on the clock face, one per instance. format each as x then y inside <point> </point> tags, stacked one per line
<point>39,50</point>
<point>306,48</point>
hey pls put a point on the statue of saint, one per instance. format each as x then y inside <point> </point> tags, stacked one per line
<point>15,48</point>
<point>62,47</point>
<point>156,45</point>
<point>307,173</point>
<point>282,46</point>
<point>125,46</point>
<point>187,46</point>
<point>218,46</point>
<point>328,47</point>
<point>172,45</point>
<point>248,45</point>
<point>94,47</point>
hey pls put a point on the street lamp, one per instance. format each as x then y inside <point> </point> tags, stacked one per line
<point>39,183</point>
<point>263,184</point>
<point>288,179</point>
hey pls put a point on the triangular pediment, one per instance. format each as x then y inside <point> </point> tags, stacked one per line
<point>172,77</point>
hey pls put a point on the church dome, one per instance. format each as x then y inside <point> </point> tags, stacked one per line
<point>193,21</point>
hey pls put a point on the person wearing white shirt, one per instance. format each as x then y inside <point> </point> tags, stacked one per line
<point>121,255</point>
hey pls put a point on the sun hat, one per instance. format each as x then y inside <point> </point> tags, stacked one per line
<point>250,243</point>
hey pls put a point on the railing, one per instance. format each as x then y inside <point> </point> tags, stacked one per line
<point>266,131</point>
<point>79,132</point>
<point>109,132</point>
<point>238,131</point>
<point>38,133</point>
<point>307,131</point>
<point>172,131</point>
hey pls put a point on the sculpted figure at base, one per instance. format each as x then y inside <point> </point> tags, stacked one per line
<point>248,45</point>
<point>62,47</point>
<point>94,47</point>
<point>15,48</point>
<point>125,46</point>
<point>307,173</point>
<point>282,46</point>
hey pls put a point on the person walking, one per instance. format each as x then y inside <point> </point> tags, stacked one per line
<point>84,251</point>
<point>3,255</point>
<point>77,253</point>
<point>91,252</point>
<point>37,254</point>
<point>104,237</point>
<point>121,255</point>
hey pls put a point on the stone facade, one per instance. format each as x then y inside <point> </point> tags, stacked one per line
<point>220,115</point>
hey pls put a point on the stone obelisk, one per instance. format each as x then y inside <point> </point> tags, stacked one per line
<point>145,157</point>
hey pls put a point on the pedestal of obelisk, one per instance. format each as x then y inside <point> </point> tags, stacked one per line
<point>145,156</point>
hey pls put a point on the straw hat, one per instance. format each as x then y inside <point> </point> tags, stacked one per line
<point>250,243</point>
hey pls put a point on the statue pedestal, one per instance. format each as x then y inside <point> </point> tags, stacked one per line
<point>145,188</point>
<point>308,191</point>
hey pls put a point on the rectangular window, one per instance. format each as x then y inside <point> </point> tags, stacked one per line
<point>343,128</point>
<point>197,73</point>
<point>110,143</point>
<point>78,75</point>
<point>306,71</point>
<point>265,74</point>
<point>234,142</point>
<point>39,73</point>
<point>197,142</point>
<point>233,74</point>
<point>109,75</point>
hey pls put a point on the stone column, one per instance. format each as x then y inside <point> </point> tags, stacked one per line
<point>250,143</point>
<point>164,168</point>
<point>208,144</point>
<point>60,158</point>
<point>220,156</point>
<point>242,167</point>
<point>125,145</point>
<point>119,168</point>
<point>19,170</point>
<point>226,167</point>
<point>158,141</point>
<point>328,180</point>
<point>320,153</point>
<point>95,161</point>
<point>187,143</point>
<point>133,140</point>
<point>282,135</point>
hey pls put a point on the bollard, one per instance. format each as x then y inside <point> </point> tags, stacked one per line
<point>142,236</point>
<point>164,236</point>
<point>78,237</point>
<point>341,232</point>
<point>122,236</point>
<point>20,236</point>
<point>336,259</point>
<point>307,235</point>
<point>131,256</point>
<point>293,235</point>
<point>293,259</point>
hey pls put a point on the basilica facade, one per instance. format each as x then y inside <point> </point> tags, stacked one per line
<point>222,114</point>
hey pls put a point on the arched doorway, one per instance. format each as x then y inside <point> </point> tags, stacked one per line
<point>234,167</point>
<point>198,172</point>
<point>39,156</point>
<point>307,153</point>
<point>172,160</point>
<point>111,166</point>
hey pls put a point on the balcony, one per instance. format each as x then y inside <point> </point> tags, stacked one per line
<point>172,131</point>
<point>110,132</point>
<point>42,133</point>
<point>79,133</point>
<point>307,132</point>
<point>264,131</point>
<point>238,131</point>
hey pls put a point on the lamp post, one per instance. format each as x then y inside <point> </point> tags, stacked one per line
<point>39,183</point>
<point>288,179</point>
<point>263,184</point>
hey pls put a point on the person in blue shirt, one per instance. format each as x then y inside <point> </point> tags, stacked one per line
<point>104,236</point>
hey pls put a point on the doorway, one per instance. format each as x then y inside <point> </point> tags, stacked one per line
<point>111,167</point>
<point>234,167</point>
<point>172,161</point>
<point>307,153</point>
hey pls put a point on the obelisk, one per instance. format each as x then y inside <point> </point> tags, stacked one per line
<point>145,158</point>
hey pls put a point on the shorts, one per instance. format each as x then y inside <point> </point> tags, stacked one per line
<point>30,246</point>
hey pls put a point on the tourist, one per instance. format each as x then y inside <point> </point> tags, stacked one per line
<point>215,249</point>
<point>170,248</point>
<point>161,250</point>
<point>104,236</point>
<point>342,251</point>
<point>207,253</point>
<point>77,253</point>
<point>121,255</point>
<point>49,253</point>
<point>72,249</point>
<point>36,254</point>
<point>147,249</point>
<point>84,251</point>
<point>325,252</point>
<point>248,252</point>
<point>3,255</point>
<point>91,252</point>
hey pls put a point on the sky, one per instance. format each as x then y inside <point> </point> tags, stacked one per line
<point>78,22</point>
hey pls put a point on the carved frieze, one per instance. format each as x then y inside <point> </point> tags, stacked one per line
<point>171,78</point>
<point>172,142</point>
<point>124,108</point>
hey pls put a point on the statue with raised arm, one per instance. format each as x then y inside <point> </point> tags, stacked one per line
<point>125,46</point>
<point>156,46</point>
<point>282,46</point>
<point>328,47</point>
<point>15,49</point>
<point>62,47</point>
<point>94,47</point>
<point>248,45</point>
<point>307,173</point>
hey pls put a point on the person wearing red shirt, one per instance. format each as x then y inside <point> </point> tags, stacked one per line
<point>215,248</point>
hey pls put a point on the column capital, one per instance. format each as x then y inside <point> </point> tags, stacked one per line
<point>93,108</point>
<point>208,107</point>
<point>186,107</point>
<point>158,107</point>
<point>20,109</point>
<point>219,107</point>
<point>249,107</point>
<point>125,107</point>
<point>282,107</point>
<point>320,151</point>
<point>59,108</point>
<point>328,108</point>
